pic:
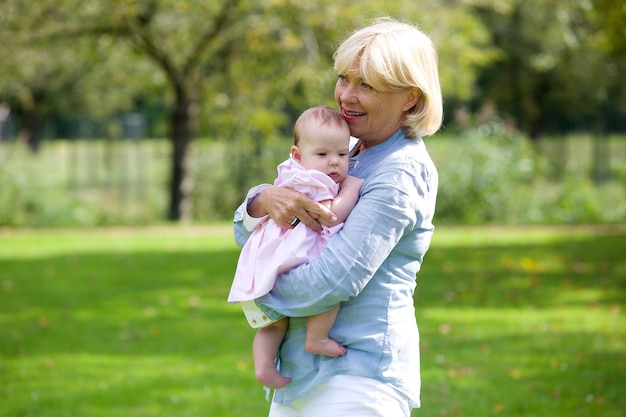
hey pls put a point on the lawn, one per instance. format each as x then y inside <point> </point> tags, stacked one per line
<point>133,322</point>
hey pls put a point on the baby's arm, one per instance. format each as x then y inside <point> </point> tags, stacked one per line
<point>345,201</point>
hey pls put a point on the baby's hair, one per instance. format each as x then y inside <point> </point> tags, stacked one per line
<point>323,115</point>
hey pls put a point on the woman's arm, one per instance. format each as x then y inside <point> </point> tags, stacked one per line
<point>243,223</point>
<point>283,204</point>
<point>389,206</point>
<point>279,203</point>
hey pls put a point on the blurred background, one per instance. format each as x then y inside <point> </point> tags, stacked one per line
<point>159,112</point>
<point>124,112</point>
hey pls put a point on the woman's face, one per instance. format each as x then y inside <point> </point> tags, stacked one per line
<point>373,116</point>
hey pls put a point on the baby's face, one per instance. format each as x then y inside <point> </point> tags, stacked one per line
<point>325,148</point>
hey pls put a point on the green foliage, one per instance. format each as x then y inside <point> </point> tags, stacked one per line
<point>246,68</point>
<point>80,184</point>
<point>134,322</point>
<point>488,174</point>
<point>97,56</point>
<point>224,174</point>
<point>562,77</point>
<point>491,174</point>
<point>480,173</point>
<point>573,201</point>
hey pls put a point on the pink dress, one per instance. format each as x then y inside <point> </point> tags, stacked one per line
<point>271,250</point>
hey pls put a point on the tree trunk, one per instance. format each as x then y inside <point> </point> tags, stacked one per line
<point>33,128</point>
<point>601,162</point>
<point>182,130</point>
<point>31,133</point>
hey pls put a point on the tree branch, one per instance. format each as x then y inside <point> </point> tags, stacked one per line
<point>221,21</point>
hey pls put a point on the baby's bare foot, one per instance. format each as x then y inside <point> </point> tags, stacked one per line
<point>326,347</point>
<point>271,378</point>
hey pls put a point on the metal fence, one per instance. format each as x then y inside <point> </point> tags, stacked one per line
<point>106,169</point>
<point>112,171</point>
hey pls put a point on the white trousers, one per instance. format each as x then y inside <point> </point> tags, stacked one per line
<point>346,396</point>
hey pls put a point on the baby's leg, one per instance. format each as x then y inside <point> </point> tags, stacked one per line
<point>264,350</point>
<point>317,340</point>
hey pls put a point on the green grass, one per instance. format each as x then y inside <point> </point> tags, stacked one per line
<point>134,322</point>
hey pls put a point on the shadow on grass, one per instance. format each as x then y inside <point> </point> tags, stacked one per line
<point>130,302</point>
<point>581,270</point>
<point>524,329</point>
<point>507,329</point>
<point>134,333</point>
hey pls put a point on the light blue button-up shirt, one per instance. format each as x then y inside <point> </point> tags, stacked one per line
<point>369,267</point>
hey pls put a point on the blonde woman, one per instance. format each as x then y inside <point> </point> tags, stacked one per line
<point>389,93</point>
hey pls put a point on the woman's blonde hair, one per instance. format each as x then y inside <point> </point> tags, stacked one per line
<point>395,56</point>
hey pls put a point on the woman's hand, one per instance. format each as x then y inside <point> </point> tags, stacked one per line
<point>284,205</point>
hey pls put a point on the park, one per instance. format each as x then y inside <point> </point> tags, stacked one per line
<point>131,130</point>
<point>514,321</point>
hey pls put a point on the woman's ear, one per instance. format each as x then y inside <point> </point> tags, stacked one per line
<point>295,153</point>
<point>413,96</point>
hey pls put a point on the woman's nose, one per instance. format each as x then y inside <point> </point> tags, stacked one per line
<point>347,95</point>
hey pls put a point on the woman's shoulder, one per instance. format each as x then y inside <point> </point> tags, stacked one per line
<point>408,165</point>
<point>410,153</point>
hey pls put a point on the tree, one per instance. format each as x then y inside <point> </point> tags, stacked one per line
<point>607,19</point>
<point>186,60</point>
<point>248,67</point>
<point>31,76</point>
<point>196,45</point>
<point>45,75</point>
<point>551,73</point>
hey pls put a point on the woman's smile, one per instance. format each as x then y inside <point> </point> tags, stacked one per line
<point>351,115</point>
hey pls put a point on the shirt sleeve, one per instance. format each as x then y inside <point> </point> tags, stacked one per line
<point>389,206</point>
<point>243,223</point>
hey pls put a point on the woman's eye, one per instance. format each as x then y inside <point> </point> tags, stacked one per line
<point>342,77</point>
<point>366,86</point>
